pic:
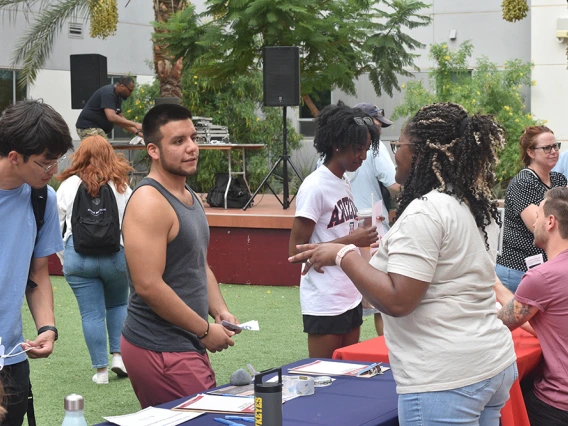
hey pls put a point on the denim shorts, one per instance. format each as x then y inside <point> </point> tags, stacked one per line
<point>511,278</point>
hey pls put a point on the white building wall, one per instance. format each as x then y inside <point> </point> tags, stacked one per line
<point>550,62</point>
<point>127,52</point>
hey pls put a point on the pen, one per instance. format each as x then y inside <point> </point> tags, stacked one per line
<point>244,419</point>
<point>229,394</point>
<point>369,368</point>
<point>227,422</point>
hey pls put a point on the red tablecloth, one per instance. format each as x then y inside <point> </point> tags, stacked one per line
<point>528,353</point>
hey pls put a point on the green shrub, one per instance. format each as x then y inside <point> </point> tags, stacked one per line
<point>238,105</point>
<point>486,90</point>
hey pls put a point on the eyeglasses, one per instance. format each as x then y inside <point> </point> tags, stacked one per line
<point>51,166</point>
<point>396,145</point>
<point>548,148</point>
<point>129,89</point>
<point>364,121</point>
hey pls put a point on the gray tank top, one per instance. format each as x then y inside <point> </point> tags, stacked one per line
<point>185,273</point>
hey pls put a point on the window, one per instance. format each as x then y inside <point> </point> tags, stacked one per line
<point>9,91</point>
<point>321,99</point>
<point>118,132</point>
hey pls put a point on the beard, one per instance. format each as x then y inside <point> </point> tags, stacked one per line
<point>175,170</point>
<point>540,238</point>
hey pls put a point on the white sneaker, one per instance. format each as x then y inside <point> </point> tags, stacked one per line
<point>101,378</point>
<point>118,366</point>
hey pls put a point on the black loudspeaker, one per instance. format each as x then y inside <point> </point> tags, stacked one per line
<point>88,74</point>
<point>281,75</point>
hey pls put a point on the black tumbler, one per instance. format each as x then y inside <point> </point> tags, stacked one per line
<point>268,399</point>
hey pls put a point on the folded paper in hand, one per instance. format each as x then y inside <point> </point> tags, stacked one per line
<point>137,140</point>
<point>249,325</point>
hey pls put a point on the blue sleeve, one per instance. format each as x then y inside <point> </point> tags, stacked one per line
<point>49,239</point>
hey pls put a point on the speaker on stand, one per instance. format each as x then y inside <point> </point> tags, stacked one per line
<point>281,83</point>
<point>88,74</point>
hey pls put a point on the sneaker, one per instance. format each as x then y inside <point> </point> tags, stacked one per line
<point>118,367</point>
<point>101,378</point>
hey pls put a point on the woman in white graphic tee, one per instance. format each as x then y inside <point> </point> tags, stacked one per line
<point>325,212</point>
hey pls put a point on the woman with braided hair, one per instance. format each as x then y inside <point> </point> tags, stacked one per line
<point>453,360</point>
<point>325,211</point>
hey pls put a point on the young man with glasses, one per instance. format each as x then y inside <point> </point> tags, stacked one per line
<point>104,110</point>
<point>33,140</point>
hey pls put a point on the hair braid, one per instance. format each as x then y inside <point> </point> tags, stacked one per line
<point>454,153</point>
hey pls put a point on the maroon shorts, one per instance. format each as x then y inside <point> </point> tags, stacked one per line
<point>159,377</point>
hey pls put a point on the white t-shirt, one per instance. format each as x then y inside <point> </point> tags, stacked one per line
<point>453,338</point>
<point>364,180</point>
<point>327,200</point>
<point>66,196</point>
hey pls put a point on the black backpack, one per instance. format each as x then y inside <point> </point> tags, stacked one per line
<point>95,222</point>
<point>237,196</point>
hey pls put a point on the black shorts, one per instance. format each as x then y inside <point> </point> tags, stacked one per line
<point>337,324</point>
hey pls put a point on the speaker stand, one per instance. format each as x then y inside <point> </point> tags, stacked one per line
<point>285,160</point>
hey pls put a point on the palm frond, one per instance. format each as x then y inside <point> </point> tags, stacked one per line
<point>35,45</point>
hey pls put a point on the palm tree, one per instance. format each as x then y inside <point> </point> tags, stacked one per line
<point>36,44</point>
<point>168,71</point>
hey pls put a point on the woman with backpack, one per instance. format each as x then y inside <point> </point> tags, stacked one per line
<point>91,201</point>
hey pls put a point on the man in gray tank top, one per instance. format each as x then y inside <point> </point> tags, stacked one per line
<point>166,334</point>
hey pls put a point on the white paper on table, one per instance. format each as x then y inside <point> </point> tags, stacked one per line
<point>153,416</point>
<point>137,140</point>
<point>249,325</point>
<point>218,404</point>
<point>328,368</point>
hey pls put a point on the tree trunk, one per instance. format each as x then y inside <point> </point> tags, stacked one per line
<point>308,101</point>
<point>168,72</point>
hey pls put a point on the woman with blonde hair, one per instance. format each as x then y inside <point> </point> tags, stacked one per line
<point>98,281</point>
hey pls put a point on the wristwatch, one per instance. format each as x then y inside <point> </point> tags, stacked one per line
<point>48,328</point>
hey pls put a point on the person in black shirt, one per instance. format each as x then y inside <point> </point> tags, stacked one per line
<point>103,111</point>
<point>539,153</point>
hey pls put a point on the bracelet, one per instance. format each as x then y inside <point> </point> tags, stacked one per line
<point>206,332</point>
<point>48,328</point>
<point>344,250</point>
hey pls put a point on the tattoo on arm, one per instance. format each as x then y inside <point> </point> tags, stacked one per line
<point>514,313</point>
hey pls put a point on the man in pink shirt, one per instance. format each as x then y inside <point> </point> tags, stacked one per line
<point>542,299</point>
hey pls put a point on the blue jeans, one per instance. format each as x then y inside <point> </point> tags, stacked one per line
<point>101,288</point>
<point>474,405</point>
<point>511,278</point>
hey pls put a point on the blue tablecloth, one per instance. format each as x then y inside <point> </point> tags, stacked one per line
<point>349,401</point>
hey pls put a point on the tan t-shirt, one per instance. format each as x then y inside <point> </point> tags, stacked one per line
<point>453,338</point>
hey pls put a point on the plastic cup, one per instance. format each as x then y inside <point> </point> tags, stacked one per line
<point>365,219</point>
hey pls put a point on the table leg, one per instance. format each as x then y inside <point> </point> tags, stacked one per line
<point>230,178</point>
<point>245,170</point>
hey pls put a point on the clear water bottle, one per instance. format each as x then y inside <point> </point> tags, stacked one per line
<point>74,406</point>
